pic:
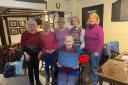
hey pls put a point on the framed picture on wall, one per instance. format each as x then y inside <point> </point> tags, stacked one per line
<point>14,31</point>
<point>51,25</point>
<point>22,23</point>
<point>13,23</point>
<point>22,30</point>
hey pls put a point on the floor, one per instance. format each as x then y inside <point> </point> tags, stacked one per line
<point>23,80</point>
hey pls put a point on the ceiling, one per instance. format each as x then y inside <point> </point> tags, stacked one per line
<point>20,12</point>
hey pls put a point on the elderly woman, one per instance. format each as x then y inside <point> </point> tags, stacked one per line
<point>77,32</point>
<point>94,42</point>
<point>30,44</point>
<point>48,46</point>
<point>61,32</point>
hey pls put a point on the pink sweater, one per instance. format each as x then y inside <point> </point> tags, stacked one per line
<point>94,39</point>
<point>48,42</point>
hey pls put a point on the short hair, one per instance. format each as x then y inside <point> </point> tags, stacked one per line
<point>67,36</point>
<point>94,15</point>
<point>61,20</point>
<point>74,17</point>
<point>31,21</point>
<point>46,23</point>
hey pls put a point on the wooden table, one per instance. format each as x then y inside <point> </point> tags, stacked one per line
<point>114,73</point>
<point>118,57</point>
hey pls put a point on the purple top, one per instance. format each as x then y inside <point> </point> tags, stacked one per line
<point>60,36</point>
<point>94,38</point>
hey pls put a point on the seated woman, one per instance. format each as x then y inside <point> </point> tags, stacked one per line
<point>68,75</point>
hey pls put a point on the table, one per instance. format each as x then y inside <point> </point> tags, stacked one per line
<point>118,57</point>
<point>113,72</point>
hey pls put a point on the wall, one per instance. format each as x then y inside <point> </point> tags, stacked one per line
<point>16,38</point>
<point>113,30</point>
<point>19,4</point>
<point>51,5</point>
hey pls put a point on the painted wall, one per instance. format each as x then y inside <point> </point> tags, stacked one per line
<point>113,30</point>
<point>20,4</point>
<point>51,5</point>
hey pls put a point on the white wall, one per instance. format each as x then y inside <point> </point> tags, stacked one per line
<point>51,5</point>
<point>20,4</point>
<point>113,30</point>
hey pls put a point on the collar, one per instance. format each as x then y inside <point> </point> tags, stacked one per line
<point>91,26</point>
<point>65,49</point>
<point>79,28</point>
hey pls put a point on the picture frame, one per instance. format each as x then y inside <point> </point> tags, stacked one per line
<point>22,23</point>
<point>14,31</point>
<point>22,30</point>
<point>13,23</point>
<point>51,25</point>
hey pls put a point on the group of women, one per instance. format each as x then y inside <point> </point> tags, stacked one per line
<point>46,43</point>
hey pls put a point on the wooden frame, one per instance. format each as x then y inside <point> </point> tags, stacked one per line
<point>22,30</point>
<point>13,23</point>
<point>14,31</point>
<point>22,23</point>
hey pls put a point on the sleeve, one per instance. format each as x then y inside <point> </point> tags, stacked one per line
<point>100,39</point>
<point>78,50</point>
<point>82,34</point>
<point>55,43</point>
<point>41,44</point>
<point>83,58</point>
<point>39,35</point>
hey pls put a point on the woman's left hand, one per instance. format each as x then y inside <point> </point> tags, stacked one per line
<point>96,54</point>
<point>39,55</point>
<point>52,51</point>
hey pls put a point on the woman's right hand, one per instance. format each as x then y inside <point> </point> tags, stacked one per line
<point>27,56</point>
<point>47,51</point>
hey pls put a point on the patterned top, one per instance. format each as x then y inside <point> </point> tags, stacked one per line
<point>77,35</point>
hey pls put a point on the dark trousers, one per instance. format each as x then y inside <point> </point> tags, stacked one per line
<point>33,68</point>
<point>49,61</point>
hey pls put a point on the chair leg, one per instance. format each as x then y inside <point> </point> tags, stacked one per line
<point>100,81</point>
<point>110,83</point>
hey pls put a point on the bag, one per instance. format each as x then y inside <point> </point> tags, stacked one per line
<point>19,66</point>
<point>9,70</point>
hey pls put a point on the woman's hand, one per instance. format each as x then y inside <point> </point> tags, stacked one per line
<point>52,51</point>
<point>39,55</point>
<point>96,54</point>
<point>27,56</point>
<point>47,51</point>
